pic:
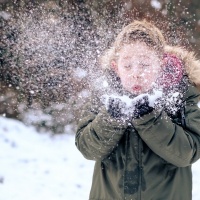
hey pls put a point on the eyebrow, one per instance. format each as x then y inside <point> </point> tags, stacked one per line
<point>126,57</point>
<point>144,56</point>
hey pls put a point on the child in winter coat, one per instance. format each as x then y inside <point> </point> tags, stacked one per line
<point>143,150</point>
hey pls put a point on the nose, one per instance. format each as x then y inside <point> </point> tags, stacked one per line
<point>136,74</point>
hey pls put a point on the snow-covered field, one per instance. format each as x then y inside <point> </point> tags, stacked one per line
<point>37,166</point>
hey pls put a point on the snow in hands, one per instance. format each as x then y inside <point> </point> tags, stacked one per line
<point>128,105</point>
<point>157,99</point>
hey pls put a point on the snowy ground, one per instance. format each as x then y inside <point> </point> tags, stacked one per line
<point>37,166</point>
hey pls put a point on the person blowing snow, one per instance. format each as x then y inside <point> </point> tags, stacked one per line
<point>144,136</point>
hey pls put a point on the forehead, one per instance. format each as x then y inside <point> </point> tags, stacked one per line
<point>138,50</point>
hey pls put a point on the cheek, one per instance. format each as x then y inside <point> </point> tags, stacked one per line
<point>125,80</point>
<point>147,75</point>
<point>151,76</point>
<point>124,76</point>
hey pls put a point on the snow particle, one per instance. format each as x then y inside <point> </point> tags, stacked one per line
<point>198,104</point>
<point>32,92</point>
<point>156,4</point>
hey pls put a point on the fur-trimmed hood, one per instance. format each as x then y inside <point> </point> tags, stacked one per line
<point>191,63</point>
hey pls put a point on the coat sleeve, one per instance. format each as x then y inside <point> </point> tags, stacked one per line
<point>175,144</point>
<point>98,133</point>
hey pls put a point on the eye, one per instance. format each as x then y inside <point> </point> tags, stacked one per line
<point>127,66</point>
<point>144,65</point>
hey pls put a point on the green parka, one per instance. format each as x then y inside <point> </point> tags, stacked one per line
<point>147,159</point>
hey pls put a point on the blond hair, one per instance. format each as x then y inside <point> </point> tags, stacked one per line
<point>136,31</point>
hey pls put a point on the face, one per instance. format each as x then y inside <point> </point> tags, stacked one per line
<point>138,67</point>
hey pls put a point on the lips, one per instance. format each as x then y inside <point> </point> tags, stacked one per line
<point>136,87</point>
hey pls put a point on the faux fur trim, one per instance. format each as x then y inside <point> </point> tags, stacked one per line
<point>191,63</point>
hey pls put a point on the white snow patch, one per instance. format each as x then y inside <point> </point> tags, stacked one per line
<point>176,94</point>
<point>36,116</point>
<point>128,5</point>
<point>156,4</point>
<point>105,83</point>
<point>32,92</point>
<point>40,166</point>
<point>129,103</point>
<point>198,104</point>
<point>80,73</point>
<point>5,15</point>
<point>153,98</point>
<point>84,94</point>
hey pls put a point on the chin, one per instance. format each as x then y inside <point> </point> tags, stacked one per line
<point>136,92</point>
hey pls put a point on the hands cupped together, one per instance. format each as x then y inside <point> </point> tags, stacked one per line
<point>117,108</point>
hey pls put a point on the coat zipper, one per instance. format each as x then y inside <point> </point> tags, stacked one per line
<point>183,122</point>
<point>125,163</point>
<point>140,167</point>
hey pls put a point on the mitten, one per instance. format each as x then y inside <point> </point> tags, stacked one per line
<point>142,107</point>
<point>115,106</point>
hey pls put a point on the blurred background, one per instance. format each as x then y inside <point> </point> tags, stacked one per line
<point>49,51</point>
